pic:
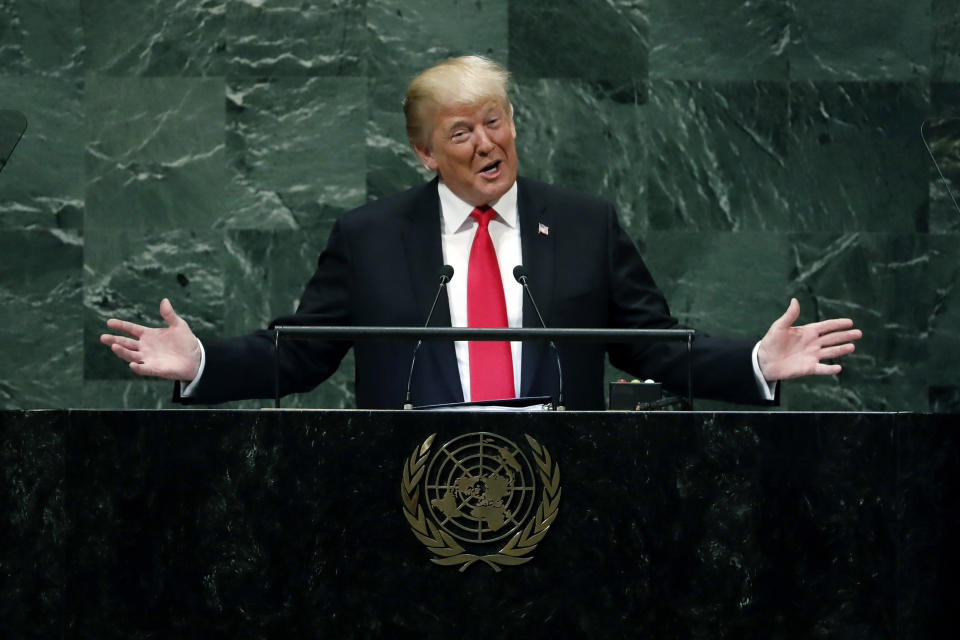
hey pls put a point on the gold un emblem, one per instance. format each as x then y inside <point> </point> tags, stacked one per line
<point>477,497</point>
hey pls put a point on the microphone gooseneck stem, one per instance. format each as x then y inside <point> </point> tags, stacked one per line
<point>526,287</point>
<point>522,279</point>
<point>946,183</point>
<point>445,276</point>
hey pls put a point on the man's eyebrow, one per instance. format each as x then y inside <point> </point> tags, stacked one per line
<point>459,122</point>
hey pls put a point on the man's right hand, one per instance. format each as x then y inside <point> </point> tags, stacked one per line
<point>172,353</point>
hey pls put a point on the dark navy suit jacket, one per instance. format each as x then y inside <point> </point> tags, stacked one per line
<point>382,266</point>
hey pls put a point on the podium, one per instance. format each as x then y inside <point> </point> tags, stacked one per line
<point>250,524</point>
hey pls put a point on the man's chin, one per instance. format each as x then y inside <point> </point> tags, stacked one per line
<point>494,190</point>
<point>479,193</point>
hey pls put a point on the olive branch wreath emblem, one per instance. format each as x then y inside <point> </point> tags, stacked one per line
<point>446,549</point>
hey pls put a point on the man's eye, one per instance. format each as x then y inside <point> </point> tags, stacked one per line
<point>457,135</point>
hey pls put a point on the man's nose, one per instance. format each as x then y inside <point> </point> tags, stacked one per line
<point>484,143</point>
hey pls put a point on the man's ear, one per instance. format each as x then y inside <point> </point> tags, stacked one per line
<point>426,157</point>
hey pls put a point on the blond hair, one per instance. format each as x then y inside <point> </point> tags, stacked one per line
<point>466,80</point>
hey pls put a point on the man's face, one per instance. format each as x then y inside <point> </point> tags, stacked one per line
<point>473,150</point>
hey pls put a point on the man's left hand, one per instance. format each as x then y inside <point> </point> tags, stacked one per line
<point>787,351</point>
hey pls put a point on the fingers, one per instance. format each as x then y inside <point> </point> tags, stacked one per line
<point>835,352</point>
<point>789,317</point>
<point>137,364</point>
<point>827,369</point>
<point>141,369</point>
<point>125,354</point>
<point>166,310</point>
<point>840,336</point>
<point>127,343</point>
<point>831,325</point>
<point>136,330</point>
<point>145,369</point>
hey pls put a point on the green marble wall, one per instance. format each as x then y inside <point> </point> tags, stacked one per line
<point>756,151</point>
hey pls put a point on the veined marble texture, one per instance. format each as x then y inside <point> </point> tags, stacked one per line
<point>296,37</point>
<point>946,40</point>
<point>754,150</point>
<point>857,162</point>
<point>831,156</point>
<point>173,38</point>
<point>942,134</point>
<point>564,128</point>
<point>43,183</point>
<point>589,39</point>
<point>127,273</point>
<point>154,153</point>
<point>392,166</point>
<point>296,161</point>
<point>720,40</point>
<point>862,40</point>
<point>706,144</point>
<point>274,267</point>
<point>40,317</point>
<point>41,38</point>
<point>406,38</point>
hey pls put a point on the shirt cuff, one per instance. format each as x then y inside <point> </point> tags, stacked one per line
<point>187,388</point>
<point>768,390</point>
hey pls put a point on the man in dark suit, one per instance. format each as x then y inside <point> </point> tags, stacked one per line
<point>382,265</point>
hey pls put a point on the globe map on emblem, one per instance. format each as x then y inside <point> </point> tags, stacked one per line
<point>480,487</point>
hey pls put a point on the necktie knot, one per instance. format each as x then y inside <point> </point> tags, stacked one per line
<point>483,215</point>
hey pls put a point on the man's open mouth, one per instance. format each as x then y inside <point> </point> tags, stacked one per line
<point>491,168</point>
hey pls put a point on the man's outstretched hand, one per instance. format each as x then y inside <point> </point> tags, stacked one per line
<point>172,352</point>
<point>790,352</point>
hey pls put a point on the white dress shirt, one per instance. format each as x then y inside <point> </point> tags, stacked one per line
<point>457,230</point>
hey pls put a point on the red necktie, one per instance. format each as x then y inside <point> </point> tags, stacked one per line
<point>491,363</point>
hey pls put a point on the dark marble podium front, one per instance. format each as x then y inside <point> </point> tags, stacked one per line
<point>170,524</point>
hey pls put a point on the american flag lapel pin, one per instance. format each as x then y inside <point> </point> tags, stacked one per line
<point>543,229</point>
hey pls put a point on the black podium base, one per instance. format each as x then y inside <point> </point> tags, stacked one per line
<point>291,524</point>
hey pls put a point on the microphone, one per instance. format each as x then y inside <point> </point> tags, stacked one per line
<point>946,183</point>
<point>446,274</point>
<point>12,126</point>
<point>520,275</point>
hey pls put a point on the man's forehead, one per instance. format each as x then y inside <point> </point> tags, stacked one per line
<point>450,116</point>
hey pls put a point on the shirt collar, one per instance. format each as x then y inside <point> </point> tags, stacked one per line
<point>456,212</point>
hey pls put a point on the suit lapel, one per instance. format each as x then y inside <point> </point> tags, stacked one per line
<point>538,254</point>
<point>424,252</point>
